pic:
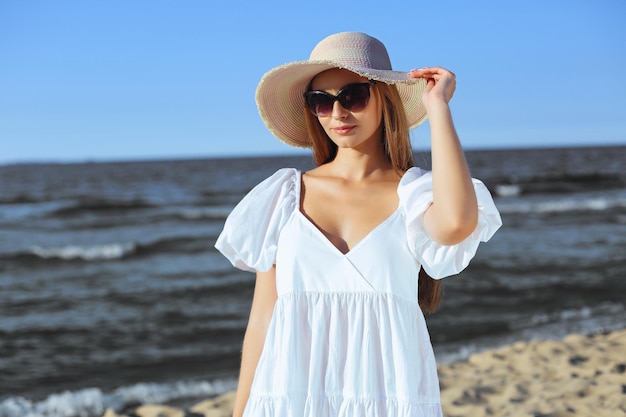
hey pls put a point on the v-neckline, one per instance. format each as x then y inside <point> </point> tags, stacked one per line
<point>323,236</point>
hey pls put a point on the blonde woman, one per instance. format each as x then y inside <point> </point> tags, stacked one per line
<point>336,326</point>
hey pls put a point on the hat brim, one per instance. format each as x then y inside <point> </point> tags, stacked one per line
<point>280,100</point>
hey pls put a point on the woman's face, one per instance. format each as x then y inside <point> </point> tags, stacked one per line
<point>349,129</point>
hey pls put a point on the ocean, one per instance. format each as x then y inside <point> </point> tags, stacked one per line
<point>112,295</point>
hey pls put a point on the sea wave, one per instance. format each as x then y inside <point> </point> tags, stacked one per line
<point>562,205</point>
<point>582,314</point>
<point>93,402</point>
<point>108,213</point>
<point>205,213</point>
<point>106,251</point>
<point>110,251</point>
<point>559,184</point>
<point>18,199</point>
<point>91,205</point>
<point>508,190</point>
<point>586,320</point>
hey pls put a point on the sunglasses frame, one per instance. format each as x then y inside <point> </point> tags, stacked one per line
<point>338,97</point>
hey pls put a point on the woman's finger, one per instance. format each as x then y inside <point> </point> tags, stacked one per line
<point>435,73</point>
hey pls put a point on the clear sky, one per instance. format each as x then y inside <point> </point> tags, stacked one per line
<point>139,79</point>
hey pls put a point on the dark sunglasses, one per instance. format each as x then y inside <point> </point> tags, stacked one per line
<point>353,97</point>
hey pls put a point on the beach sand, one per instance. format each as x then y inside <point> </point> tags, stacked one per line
<point>583,376</point>
<point>578,376</point>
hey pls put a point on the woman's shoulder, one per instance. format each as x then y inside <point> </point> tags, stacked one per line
<point>251,230</point>
<point>282,175</point>
<point>412,174</point>
<point>277,190</point>
<point>414,181</point>
<point>283,181</point>
<point>280,189</point>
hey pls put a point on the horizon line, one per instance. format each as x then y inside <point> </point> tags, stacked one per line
<point>292,153</point>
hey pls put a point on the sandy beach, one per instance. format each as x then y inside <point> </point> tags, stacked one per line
<point>579,376</point>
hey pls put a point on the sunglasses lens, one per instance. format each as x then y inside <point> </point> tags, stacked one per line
<point>320,103</point>
<point>353,97</point>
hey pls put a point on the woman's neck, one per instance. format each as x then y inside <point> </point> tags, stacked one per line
<point>359,164</point>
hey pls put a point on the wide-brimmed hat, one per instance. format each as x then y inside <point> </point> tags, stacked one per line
<point>279,95</point>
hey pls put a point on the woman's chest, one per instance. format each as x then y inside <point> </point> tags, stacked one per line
<point>381,261</point>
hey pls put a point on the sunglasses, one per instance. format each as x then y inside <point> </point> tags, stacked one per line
<point>353,97</point>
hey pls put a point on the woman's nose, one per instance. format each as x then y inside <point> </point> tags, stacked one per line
<point>339,112</point>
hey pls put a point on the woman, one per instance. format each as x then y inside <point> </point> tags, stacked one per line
<point>335,327</point>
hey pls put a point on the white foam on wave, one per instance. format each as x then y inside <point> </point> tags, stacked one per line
<point>583,315</point>
<point>92,402</point>
<point>562,205</point>
<point>508,190</point>
<point>104,251</point>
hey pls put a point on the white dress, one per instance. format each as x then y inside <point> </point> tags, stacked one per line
<point>347,337</point>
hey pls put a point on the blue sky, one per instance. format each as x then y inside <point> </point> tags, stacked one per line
<point>135,79</point>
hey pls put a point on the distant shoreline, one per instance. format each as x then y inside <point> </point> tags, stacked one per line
<point>293,154</point>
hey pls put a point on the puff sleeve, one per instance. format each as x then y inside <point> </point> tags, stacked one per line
<point>439,261</point>
<point>250,235</point>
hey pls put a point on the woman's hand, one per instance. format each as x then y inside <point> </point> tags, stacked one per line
<point>440,84</point>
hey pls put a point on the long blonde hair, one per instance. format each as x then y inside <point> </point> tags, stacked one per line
<point>399,152</point>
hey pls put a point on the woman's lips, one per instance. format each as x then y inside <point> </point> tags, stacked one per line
<point>343,130</point>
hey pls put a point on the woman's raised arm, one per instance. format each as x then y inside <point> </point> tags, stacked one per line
<point>454,213</point>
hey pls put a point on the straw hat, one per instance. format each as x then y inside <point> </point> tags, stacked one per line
<point>279,95</point>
